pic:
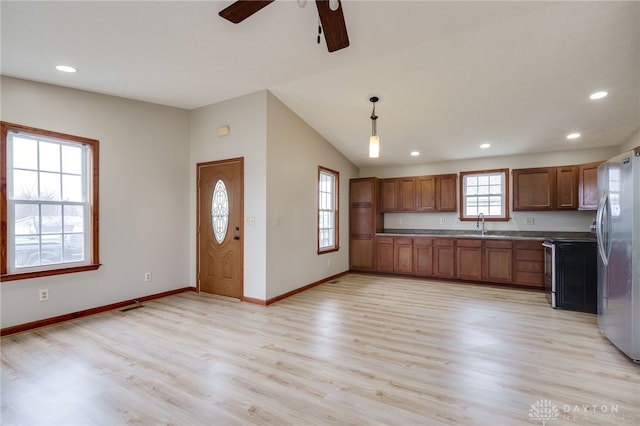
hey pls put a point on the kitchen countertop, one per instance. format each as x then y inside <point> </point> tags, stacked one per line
<point>504,235</point>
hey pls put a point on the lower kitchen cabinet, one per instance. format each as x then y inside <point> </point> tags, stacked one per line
<point>394,255</point>
<point>444,257</point>
<point>497,261</point>
<point>403,255</point>
<point>528,263</point>
<point>384,254</point>
<point>469,259</point>
<point>423,256</point>
<point>361,254</point>
<point>519,262</point>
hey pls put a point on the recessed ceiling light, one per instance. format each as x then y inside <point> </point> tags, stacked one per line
<point>575,135</point>
<point>415,153</point>
<point>65,68</point>
<point>598,95</point>
<point>485,145</point>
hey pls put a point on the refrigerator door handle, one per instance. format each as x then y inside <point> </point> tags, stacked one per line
<point>599,228</point>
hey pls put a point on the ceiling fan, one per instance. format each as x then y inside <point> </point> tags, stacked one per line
<point>331,18</point>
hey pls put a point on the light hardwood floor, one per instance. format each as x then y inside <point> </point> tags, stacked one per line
<point>364,350</point>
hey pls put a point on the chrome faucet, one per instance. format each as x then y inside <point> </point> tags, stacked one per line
<point>481,216</point>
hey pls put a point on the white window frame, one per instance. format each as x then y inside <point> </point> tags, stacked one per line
<point>328,210</point>
<point>86,237</point>
<point>475,185</point>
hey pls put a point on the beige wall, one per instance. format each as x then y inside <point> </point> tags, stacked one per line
<point>246,117</point>
<point>144,154</point>
<point>294,152</point>
<point>282,154</point>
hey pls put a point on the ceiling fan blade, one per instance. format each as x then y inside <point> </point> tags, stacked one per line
<point>333,25</point>
<point>241,10</point>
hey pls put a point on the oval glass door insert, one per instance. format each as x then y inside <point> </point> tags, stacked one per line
<point>220,211</point>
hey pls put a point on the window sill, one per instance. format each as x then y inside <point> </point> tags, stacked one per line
<point>486,219</point>
<point>328,250</point>
<point>46,273</point>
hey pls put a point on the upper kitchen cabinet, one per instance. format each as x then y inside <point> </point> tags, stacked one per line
<point>545,188</point>
<point>556,188</point>
<point>365,220</point>
<point>426,193</point>
<point>446,199</point>
<point>534,189</point>
<point>566,188</point>
<point>398,195</point>
<point>419,194</point>
<point>588,196</point>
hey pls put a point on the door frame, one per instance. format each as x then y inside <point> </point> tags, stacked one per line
<point>200,166</point>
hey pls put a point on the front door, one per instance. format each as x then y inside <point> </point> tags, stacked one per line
<point>220,213</point>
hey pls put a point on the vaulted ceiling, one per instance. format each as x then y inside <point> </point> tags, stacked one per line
<point>449,75</point>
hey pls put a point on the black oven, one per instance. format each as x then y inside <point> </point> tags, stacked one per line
<point>570,274</point>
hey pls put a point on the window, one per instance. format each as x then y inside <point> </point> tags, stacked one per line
<point>49,203</point>
<point>485,192</point>
<point>328,181</point>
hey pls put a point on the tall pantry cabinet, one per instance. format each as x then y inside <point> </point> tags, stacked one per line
<point>365,220</point>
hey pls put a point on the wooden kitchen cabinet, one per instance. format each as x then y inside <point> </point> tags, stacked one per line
<point>419,194</point>
<point>423,256</point>
<point>516,262</point>
<point>588,196</point>
<point>446,195</point>
<point>566,188</point>
<point>426,193</point>
<point>384,254</point>
<point>365,220</point>
<point>398,195</point>
<point>394,255</point>
<point>497,258</point>
<point>388,195</point>
<point>403,255</point>
<point>444,257</point>
<point>469,259</point>
<point>545,188</point>
<point>528,263</point>
<point>534,189</point>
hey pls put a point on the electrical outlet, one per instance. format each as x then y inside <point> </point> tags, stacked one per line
<point>529,221</point>
<point>147,276</point>
<point>442,221</point>
<point>43,294</point>
<point>399,221</point>
<point>328,262</point>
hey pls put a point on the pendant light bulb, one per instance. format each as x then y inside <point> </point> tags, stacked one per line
<point>302,3</point>
<point>374,140</point>
<point>374,147</point>
<point>334,4</point>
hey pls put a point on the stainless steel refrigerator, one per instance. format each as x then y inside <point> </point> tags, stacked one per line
<point>618,231</point>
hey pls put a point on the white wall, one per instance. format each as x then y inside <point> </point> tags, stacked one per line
<point>571,221</point>
<point>144,154</point>
<point>247,118</point>
<point>632,142</point>
<point>294,152</point>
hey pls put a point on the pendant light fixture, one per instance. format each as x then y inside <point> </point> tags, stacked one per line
<point>374,140</point>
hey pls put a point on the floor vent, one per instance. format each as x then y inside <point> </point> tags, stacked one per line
<point>132,307</point>
<point>334,282</point>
